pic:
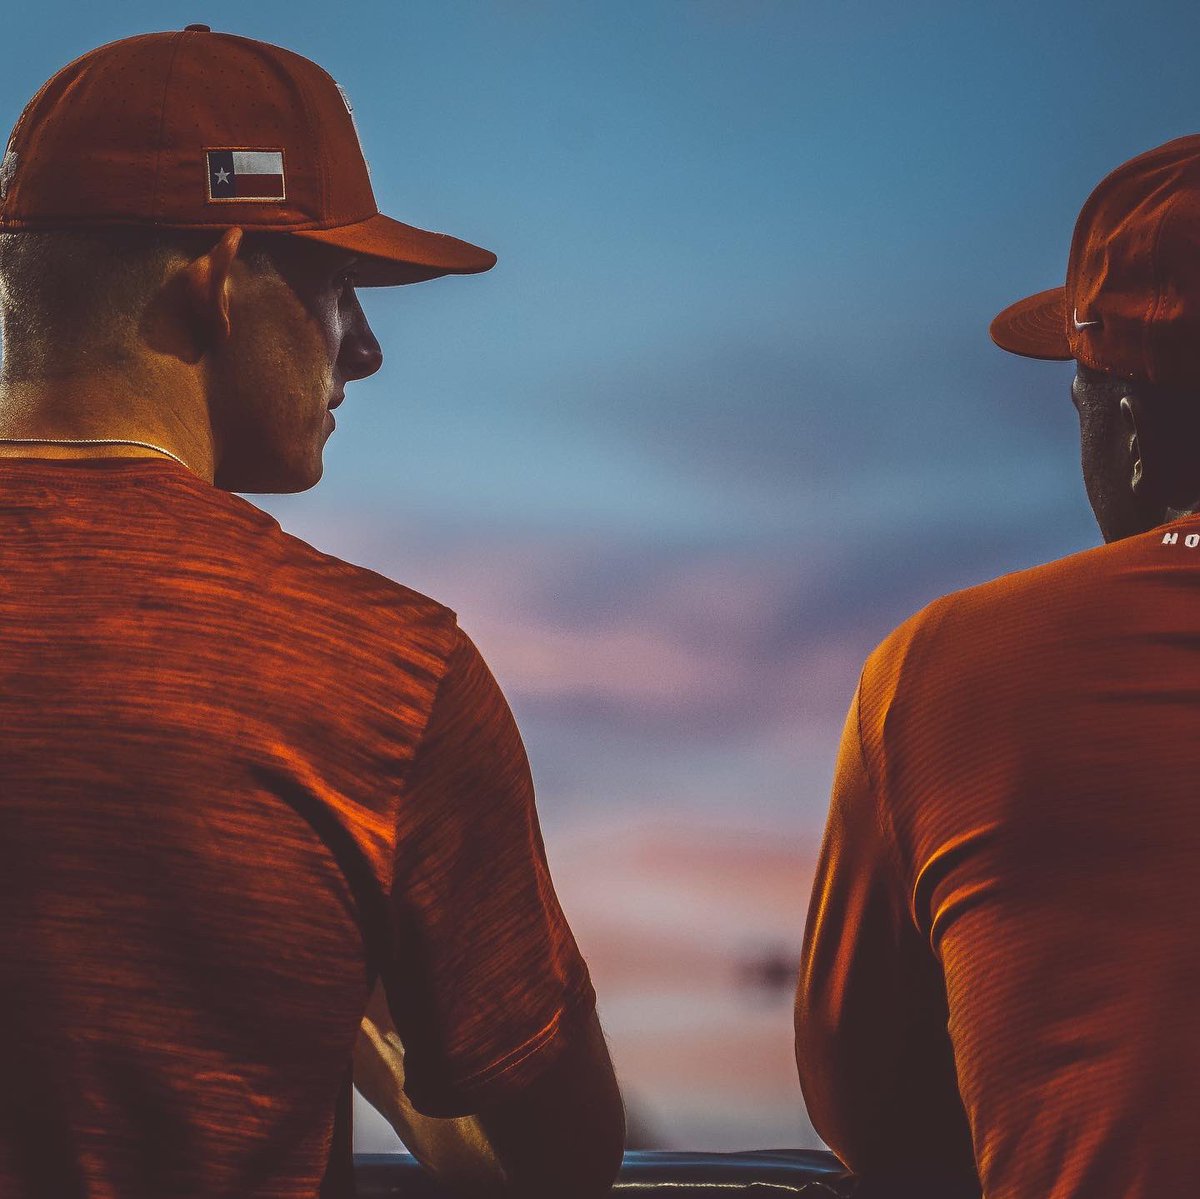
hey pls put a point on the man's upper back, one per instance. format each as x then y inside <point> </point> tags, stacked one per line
<point>208,731</point>
<point>1017,814</point>
<point>149,623</point>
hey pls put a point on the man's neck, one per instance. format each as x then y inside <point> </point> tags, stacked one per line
<point>132,404</point>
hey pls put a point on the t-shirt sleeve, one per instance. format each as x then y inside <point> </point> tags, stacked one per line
<point>875,1060</point>
<point>488,985</point>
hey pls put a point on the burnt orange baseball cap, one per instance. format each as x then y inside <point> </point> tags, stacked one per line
<point>1131,303</point>
<point>203,130</point>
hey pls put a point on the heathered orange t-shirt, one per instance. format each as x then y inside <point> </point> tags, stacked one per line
<point>1000,980</point>
<point>239,779</point>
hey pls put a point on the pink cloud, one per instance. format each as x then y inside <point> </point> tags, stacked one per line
<point>627,661</point>
<point>709,640</point>
<point>693,720</point>
<point>667,916</point>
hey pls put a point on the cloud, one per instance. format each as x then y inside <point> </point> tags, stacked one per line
<point>667,912</point>
<point>702,642</point>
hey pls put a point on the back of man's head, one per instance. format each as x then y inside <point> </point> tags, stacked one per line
<point>137,191</point>
<point>73,300</point>
<point>1129,314</point>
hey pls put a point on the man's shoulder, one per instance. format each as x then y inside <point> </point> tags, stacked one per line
<point>319,569</point>
<point>1008,615</point>
<point>313,583</point>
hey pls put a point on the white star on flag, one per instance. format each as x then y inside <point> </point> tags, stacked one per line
<point>222,176</point>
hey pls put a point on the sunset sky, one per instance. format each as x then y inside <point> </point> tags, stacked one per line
<point>724,413</point>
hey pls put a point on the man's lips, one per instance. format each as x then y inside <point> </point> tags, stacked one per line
<point>337,401</point>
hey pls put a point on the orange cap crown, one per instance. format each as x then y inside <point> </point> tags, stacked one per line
<point>1131,303</point>
<point>202,130</point>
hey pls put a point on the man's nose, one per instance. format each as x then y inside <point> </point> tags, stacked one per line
<point>361,355</point>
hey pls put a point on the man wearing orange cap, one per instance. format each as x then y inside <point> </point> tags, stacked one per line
<point>1000,990</point>
<point>267,820</point>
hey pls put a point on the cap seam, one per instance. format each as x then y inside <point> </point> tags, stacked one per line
<point>322,172</point>
<point>162,121</point>
<point>1157,297</point>
<point>46,86</point>
<point>16,129</point>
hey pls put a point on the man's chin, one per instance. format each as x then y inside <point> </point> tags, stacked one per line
<point>262,479</point>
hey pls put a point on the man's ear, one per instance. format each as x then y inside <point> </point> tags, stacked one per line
<point>206,284</point>
<point>1129,420</point>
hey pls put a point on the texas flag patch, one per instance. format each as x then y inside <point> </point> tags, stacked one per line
<point>254,175</point>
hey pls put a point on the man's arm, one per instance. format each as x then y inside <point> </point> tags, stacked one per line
<point>875,1060</point>
<point>455,1150</point>
<point>564,1134</point>
<point>495,1063</point>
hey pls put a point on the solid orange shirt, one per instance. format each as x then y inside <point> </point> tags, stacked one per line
<point>240,779</point>
<point>1000,978</point>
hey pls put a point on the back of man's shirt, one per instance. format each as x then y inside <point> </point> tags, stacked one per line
<point>1007,899</point>
<point>221,814</point>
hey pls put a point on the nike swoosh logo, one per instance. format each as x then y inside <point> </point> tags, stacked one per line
<point>1083,324</point>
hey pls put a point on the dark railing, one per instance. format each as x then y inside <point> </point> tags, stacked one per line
<point>759,1175</point>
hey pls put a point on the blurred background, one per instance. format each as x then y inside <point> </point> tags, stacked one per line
<point>724,414</point>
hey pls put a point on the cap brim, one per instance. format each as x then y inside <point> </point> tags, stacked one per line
<point>1035,327</point>
<point>396,253</point>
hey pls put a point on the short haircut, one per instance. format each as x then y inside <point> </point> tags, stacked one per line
<point>72,299</point>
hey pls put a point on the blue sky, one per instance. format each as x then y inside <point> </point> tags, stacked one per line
<point>723,414</point>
